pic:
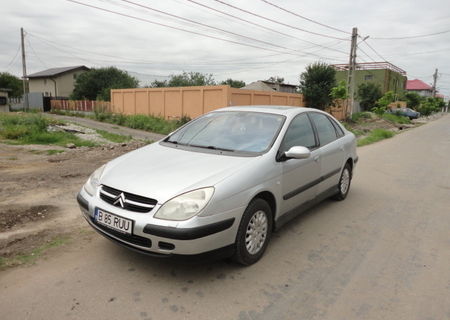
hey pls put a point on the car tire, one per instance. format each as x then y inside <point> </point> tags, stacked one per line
<point>344,183</point>
<point>254,232</point>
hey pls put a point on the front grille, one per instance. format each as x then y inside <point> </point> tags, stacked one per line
<point>128,201</point>
<point>130,238</point>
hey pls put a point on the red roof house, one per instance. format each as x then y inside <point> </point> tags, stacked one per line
<point>419,86</point>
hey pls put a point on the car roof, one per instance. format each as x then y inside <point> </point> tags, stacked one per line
<point>282,110</point>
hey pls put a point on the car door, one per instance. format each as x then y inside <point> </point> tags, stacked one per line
<point>299,176</point>
<point>331,148</point>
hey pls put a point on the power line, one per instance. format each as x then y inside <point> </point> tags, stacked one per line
<point>305,18</point>
<point>260,25</point>
<point>177,28</point>
<point>13,59</point>
<point>144,62</point>
<point>206,25</point>
<point>35,54</point>
<point>375,51</point>
<point>411,37</point>
<point>280,23</point>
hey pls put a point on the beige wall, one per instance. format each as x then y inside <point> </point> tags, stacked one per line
<point>173,103</point>
<point>64,84</point>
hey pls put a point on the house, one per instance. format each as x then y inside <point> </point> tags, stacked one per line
<point>262,85</point>
<point>419,87</point>
<point>4,103</point>
<point>55,82</point>
<point>387,75</point>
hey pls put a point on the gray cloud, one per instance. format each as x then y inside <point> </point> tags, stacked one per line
<point>63,33</point>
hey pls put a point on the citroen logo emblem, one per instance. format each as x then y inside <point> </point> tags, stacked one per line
<point>120,199</point>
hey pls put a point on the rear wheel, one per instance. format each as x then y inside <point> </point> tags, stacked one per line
<point>344,183</point>
<point>254,232</point>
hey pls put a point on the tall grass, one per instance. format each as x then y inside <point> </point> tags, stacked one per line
<point>138,121</point>
<point>374,136</point>
<point>395,118</point>
<point>31,128</point>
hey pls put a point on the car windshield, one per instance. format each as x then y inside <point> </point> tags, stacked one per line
<point>230,131</point>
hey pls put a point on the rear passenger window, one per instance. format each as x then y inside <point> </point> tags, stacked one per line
<point>299,133</point>
<point>325,129</point>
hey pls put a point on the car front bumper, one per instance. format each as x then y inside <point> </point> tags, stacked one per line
<point>164,238</point>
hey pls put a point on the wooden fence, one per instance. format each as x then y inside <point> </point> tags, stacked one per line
<point>176,102</point>
<point>80,105</point>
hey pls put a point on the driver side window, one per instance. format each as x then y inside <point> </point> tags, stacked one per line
<point>299,133</point>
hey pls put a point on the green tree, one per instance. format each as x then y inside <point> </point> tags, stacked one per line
<point>368,95</point>
<point>316,84</point>
<point>413,99</point>
<point>9,81</point>
<point>383,102</point>
<point>97,83</point>
<point>340,91</point>
<point>276,79</point>
<point>186,79</point>
<point>233,83</point>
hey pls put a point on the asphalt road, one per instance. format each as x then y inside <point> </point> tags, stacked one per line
<point>383,253</point>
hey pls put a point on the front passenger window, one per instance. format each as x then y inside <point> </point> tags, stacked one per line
<point>325,129</point>
<point>299,133</point>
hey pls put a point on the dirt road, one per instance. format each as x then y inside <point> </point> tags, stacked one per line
<point>383,253</point>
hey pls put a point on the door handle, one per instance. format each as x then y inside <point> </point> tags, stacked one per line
<point>316,158</point>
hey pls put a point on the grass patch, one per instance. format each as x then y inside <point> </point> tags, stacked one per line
<point>113,137</point>
<point>141,122</point>
<point>138,121</point>
<point>356,132</point>
<point>374,136</point>
<point>69,113</point>
<point>33,255</point>
<point>31,128</point>
<point>357,116</point>
<point>395,118</point>
<point>53,151</point>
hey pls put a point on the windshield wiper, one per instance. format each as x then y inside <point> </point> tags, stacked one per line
<point>210,147</point>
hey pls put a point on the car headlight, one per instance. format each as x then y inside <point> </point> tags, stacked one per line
<point>94,181</point>
<point>185,206</point>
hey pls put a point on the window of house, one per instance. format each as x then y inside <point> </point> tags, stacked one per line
<point>3,101</point>
<point>45,81</point>
<point>75,76</point>
<point>368,77</point>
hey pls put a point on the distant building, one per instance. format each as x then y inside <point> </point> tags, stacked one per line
<point>419,87</point>
<point>4,103</point>
<point>388,76</point>
<point>262,85</point>
<point>55,82</point>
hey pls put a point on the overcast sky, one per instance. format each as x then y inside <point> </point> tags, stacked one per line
<point>62,33</point>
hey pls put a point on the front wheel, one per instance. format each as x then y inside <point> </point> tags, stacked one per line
<point>344,183</point>
<point>254,232</point>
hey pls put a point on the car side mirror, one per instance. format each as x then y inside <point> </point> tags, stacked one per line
<point>297,152</point>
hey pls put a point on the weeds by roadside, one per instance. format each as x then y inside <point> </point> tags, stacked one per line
<point>141,122</point>
<point>374,136</point>
<point>32,255</point>
<point>32,128</point>
<point>113,137</point>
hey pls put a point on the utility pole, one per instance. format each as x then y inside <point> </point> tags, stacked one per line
<point>24,71</point>
<point>351,72</point>
<point>433,91</point>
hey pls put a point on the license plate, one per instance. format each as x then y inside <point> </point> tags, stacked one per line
<point>114,222</point>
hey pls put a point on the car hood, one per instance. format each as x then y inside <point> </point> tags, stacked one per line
<point>161,172</point>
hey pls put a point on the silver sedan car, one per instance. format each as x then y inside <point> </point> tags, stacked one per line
<point>221,183</point>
